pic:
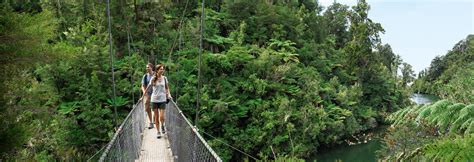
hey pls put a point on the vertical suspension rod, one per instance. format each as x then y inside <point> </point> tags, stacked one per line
<point>199,66</point>
<point>131,64</point>
<point>111,61</point>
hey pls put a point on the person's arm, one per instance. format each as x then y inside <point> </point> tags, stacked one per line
<point>143,85</point>
<point>144,89</point>
<point>147,87</point>
<point>168,88</point>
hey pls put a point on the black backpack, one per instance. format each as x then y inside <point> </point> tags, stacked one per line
<point>145,80</point>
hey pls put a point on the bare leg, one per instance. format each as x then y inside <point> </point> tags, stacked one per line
<point>157,124</point>
<point>148,108</point>
<point>162,116</point>
<point>162,120</point>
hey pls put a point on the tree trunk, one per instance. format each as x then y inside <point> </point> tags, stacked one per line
<point>137,17</point>
<point>84,8</point>
<point>59,8</point>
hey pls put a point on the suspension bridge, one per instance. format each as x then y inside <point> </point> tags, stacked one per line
<point>133,141</point>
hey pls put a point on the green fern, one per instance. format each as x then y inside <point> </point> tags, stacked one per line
<point>466,125</point>
<point>429,109</point>
<point>424,113</point>
<point>419,109</point>
<point>437,110</point>
<point>397,117</point>
<point>447,149</point>
<point>467,113</point>
<point>470,129</point>
<point>446,118</point>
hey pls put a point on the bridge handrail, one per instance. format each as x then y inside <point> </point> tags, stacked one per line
<point>185,141</point>
<point>180,144</point>
<point>138,117</point>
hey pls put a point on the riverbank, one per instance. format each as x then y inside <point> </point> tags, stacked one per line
<point>363,146</point>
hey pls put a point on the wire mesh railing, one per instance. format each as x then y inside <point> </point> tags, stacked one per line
<point>125,145</point>
<point>186,143</point>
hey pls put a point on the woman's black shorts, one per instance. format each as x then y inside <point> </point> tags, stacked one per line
<point>159,105</point>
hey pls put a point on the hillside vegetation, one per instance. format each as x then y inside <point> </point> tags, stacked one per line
<point>283,75</point>
<point>451,76</point>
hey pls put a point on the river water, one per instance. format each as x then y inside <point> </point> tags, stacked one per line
<point>365,150</point>
<point>423,98</point>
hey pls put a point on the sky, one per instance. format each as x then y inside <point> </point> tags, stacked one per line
<point>420,30</point>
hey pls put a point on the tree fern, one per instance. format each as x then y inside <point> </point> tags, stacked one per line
<point>425,112</point>
<point>428,109</point>
<point>467,113</point>
<point>447,149</point>
<point>437,110</point>
<point>418,110</point>
<point>404,115</point>
<point>466,125</point>
<point>398,116</point>
<point>470,129</point>
<point>446,118</point>
<point>455,118</point>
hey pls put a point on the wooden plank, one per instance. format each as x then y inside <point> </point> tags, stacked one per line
<point>154,149</point>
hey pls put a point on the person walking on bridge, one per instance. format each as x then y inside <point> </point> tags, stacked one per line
<point>147,93</point>
<point>160,97</point>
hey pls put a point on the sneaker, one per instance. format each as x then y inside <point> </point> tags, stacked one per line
<point>163,129</point>
<point>151,126</point>
<point>159,135</point>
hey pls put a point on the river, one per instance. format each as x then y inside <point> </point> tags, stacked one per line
<point>364,151</point>
<point>423,98</point>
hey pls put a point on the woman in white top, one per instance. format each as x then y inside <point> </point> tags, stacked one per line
<point>159,97</point>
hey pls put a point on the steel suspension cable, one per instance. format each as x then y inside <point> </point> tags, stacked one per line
<point>111,61</point>
<point>235,148</point>
<point>179,31</point>
<point>200,130</point>
<point>199,77</point>
<point>113,75</point>
<point>179,45</point>
<point>131,65</point>
<point>176,82</point>
<point>97,153</point>
<point>123,129</point>
<point>134,49</point>
<point>199,66</point>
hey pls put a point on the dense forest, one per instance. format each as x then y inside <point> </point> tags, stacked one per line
<point>450,76</point>
<point>442,131</point>
<point>280,78</point>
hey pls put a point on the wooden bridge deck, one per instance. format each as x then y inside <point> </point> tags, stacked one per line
<point>154,149</point>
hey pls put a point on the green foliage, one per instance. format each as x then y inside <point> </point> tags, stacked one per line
<point>68,108</point>
<point>60,109</point>
<point>118,101</point>
<point>464,120</point>
<point>335,17</point>
<point>451,76</point>
<point>440,121</point>
<point>445,115</point>
<point>23,44</point>
<point>450,149</point>
<point>279,79</point>
<point>403,139</point>
<point>407,74</point>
